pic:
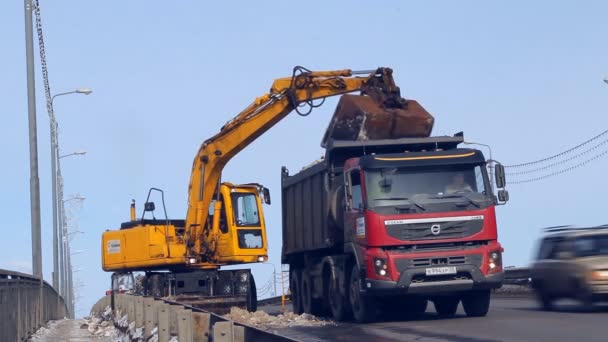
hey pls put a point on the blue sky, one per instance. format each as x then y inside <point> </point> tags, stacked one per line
<point>524,77</point>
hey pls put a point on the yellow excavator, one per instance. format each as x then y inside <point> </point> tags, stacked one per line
<point>224,223</point>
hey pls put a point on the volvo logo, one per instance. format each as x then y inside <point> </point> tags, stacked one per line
<point>436,229</point>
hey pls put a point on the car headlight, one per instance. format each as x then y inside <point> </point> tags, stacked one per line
<point>599,275</point>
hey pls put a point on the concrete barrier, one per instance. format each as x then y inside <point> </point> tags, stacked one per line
<point>189,324</point>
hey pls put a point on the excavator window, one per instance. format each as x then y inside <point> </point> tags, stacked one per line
<point>245,209</point>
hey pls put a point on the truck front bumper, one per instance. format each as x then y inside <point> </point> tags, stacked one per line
<point>415,281</point>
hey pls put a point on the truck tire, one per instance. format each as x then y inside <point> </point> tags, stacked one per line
<point>446,306</point>
<point>252,295</point>
<point>310,305</point>
<point>296,296</point>
<point>362,307</point>
<point>477,303</point>
<point>306,293</point>
<point>338,304</point>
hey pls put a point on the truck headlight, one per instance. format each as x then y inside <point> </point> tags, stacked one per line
<point>381,267</point>
<point>261,258</point>
<point>192,260</point>
<point>494,262</point>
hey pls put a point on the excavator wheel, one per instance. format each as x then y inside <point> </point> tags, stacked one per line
<point>252,295</point>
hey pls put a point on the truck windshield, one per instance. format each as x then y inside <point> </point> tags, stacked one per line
<point>395,186</point>
<point>587,246</point>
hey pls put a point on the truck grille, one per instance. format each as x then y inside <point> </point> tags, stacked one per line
<point>424,279</point>
<point>422,231</point>
<point>471,259</point>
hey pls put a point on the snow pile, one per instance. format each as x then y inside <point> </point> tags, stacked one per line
<point>262,320</point>
<point>99,326</point>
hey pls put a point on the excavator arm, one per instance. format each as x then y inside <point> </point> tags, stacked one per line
<point>286,94</point>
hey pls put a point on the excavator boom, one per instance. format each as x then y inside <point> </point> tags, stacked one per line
<point>286,95</point>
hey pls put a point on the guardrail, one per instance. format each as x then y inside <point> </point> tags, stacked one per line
<point>21,311</point>
<point>188,323</point>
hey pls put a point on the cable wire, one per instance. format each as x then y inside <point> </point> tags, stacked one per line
<point>559,154</point>
<point>530,180</point>
<point>559,162</point>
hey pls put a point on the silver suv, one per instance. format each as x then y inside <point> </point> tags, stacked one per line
<point>572,263</point>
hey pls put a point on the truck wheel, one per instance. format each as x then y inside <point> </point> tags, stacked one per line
<point>476,304</point>
<point>296,296</point>
<point>306,293</point>
<point>545,300</point>
<point>252,295</point>
<point>337,302</point>
<point>446,306</point>
<point>363,308</point>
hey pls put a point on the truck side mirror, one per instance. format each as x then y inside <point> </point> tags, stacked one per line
<point>499,174</point>
<point>266,194</point>
<point>503,196</point>
<point>149,206</point>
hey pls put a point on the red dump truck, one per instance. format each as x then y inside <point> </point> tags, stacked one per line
<point>390,224</point>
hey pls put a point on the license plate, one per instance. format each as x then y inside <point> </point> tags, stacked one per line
<point>441,270</point>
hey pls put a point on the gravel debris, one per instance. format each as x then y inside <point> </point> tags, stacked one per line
<point>263,320</point>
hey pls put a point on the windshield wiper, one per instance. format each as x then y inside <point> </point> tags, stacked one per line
<point>460,196</point>
<point>401,199</point>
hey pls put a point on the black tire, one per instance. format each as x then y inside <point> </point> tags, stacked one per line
<point>446,306</point>
<point>544,299</point>
<point>252,295</point>
<point>338,303</point>
<point>306,294</point>
<point>584,296</point>
<point>477,303</point>
<point>296,295</point>
<point>362,307</point>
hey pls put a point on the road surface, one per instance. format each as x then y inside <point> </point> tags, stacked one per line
<point>510,319</point>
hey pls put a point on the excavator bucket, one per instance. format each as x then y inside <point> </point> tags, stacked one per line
<point>361,118</point>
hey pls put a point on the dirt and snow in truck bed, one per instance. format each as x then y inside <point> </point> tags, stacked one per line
<point>263,320</point>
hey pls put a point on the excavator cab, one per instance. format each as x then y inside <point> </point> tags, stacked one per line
<point>240,223</point>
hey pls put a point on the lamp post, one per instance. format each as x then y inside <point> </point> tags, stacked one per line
<point>68,286</point>
<point>54,169</point>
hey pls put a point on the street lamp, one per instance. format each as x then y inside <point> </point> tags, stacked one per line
<point>77,153</point>
<point>55,169</point>
<point>74,198</point>
<point>84,91</point>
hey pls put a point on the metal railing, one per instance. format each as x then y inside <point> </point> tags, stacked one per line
<point>21,310</point>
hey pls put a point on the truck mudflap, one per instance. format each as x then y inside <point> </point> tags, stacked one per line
<point>415,281</point>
